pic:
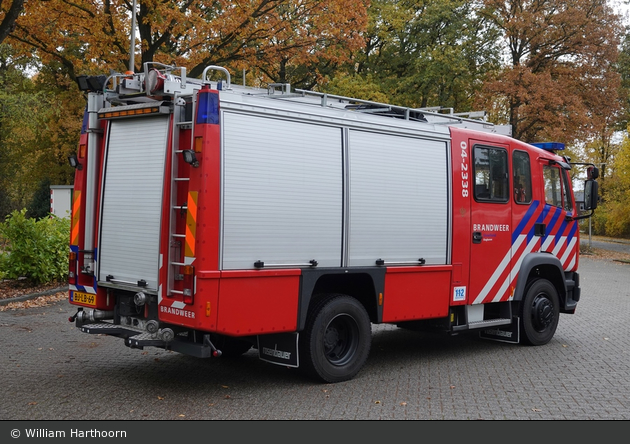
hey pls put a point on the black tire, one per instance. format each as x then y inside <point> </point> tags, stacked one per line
<point>540,312</point>
<point>336,341</point>
<point>230,347</point>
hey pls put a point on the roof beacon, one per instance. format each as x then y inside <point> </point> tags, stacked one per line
<point>550,146</point>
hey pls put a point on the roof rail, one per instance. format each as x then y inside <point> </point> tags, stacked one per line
<point>435,115</point>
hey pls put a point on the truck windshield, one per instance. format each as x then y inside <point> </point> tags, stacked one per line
<point>557,188</point>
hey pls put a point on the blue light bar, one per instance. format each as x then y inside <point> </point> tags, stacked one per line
<point>208,107</point>
<point>549,146</point>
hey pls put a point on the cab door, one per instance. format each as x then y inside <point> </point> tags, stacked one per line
<point>491,221</point>
<point>527,216</point>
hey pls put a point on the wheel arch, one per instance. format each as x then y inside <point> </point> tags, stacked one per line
<point>541,265</point>
<point>363,284</point>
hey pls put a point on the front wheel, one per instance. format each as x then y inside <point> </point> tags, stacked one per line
<point>540,310</point>
<point>336,341</point>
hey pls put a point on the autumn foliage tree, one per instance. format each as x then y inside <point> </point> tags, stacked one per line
<point>423,53</point>
<point>39,124</point>
<point>279,40</point>
<point>9,12</point>
<point>615,218</point>
<point>559,82</point>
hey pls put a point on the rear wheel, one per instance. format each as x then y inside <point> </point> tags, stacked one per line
<point>336,341</point>
<point>540,311</point>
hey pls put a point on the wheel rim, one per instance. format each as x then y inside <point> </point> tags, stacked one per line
<point>542,312</point>
<point>341,339</point>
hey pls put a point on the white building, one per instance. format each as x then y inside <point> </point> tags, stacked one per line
<point>61,200</point>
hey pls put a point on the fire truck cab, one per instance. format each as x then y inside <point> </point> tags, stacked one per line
<point>210,218</point>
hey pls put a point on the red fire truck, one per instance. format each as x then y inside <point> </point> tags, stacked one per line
<point>210,218</point>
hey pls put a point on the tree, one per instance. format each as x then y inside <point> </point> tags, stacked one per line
<point>613,156</point>
<point>559,82</point>
<point>9,16</point>
<point>618,202</point>
<point>16,131</point>
<point>426,53</point>
<point>612,217</point>
<point>623,67</point>
<point>39,206</point>
<point>287,40</point>
<point>40,120</point>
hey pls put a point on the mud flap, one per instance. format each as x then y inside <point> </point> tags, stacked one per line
<point>506,333</point>
<point>280,349</point>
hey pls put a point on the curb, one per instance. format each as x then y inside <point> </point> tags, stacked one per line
<point>611,240</point>
<point>27,297</point>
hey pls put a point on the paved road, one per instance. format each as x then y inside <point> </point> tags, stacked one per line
<point>51,371</point>
<point>617,245</point>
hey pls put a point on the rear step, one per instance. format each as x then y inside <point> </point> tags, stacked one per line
<point>145,340</point>
<point>139,339</point>
<point>476,325</point>
<point>108,329</point>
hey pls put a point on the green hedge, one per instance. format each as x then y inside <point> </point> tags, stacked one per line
<point>34,249</point>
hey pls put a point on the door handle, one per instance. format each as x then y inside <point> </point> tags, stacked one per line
<point>477,237</point>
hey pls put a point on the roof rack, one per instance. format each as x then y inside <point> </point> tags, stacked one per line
<point>436,115</point>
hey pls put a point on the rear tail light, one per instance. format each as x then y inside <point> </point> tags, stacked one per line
<point>189,284</point>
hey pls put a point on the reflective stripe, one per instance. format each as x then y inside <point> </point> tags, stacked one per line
<point>76,217</point>
<point>191,224</point>
<point>82,288</point>
<point>560,240</point>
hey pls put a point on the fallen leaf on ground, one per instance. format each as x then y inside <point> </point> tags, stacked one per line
<point>41,301</point>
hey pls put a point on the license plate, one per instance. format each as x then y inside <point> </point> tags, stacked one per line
<point>84,298</point>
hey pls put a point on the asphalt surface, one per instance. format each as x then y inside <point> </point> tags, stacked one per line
<point>616,245</point>
<point>52,371</point>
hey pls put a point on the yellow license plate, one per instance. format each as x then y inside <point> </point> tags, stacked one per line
<point>84,298</point>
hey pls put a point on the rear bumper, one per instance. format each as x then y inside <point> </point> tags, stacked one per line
<point>140,339</point>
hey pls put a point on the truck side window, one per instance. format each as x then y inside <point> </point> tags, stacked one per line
<point>491,174</point>
<point>521,177</point>
<point>556,188</point>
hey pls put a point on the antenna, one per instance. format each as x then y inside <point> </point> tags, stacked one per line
<point>133,38</point>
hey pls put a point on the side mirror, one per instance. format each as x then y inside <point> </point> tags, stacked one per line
<point>591,194</point>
